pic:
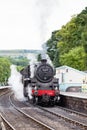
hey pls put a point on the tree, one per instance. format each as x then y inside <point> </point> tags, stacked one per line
<point>84,42</point>
<point>4,70</point>
<point>56,59</point>
<point>39,57</point>
<point>65,41</point>
<point>74,58</point>
<point>19,61</point>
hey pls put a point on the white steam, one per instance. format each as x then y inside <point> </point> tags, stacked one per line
<point>46,10</point>
<point>30,92</point>
<point>33,59</point>
<point>15,82</point>
<point>44,54</point>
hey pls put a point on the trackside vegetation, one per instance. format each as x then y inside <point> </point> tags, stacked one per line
<point>4,70</point>
<point>5,63</point>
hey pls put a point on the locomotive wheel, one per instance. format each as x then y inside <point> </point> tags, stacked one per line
<point>52,103</point>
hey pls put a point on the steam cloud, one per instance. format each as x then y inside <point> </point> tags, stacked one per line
<point>44,54</point>
<point>33,60</point>
<point>16,85</point>
<point>15,82</point>
<point>45,10</point>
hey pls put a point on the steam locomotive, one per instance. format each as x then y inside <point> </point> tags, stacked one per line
<point>44,86</point>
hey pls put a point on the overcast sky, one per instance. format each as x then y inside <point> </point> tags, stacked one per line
<point>27,24</point>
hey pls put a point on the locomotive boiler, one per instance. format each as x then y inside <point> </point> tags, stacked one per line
<point>43,84</point>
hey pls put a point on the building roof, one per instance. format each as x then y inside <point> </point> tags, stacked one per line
<point>70,68</point>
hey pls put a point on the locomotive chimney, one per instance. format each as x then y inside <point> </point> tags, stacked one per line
<point>44,60</point>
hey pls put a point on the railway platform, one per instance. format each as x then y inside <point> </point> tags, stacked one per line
<point>3,87</point>
<point>74,100</point>
<point>75,94</point>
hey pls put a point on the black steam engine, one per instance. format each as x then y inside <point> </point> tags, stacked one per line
<point>44,86</point>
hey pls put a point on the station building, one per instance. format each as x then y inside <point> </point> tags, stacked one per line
<point>71,80</point>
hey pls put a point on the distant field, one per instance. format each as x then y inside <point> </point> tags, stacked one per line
<point>18,52</point>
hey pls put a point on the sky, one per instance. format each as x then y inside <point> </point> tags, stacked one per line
<point>27,24</point>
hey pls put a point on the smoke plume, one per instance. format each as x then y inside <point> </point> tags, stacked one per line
<point>45,11</point>
<point>15,82</point>
<point>44,54</point>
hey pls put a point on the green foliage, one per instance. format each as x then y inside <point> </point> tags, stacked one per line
<point>74,58</point>
<point>84,40</point>
<point>19,61</point>
<point>39,57</point>
<point>56,59</point>
<point>52,46</point>
<point>5,66</point>
<point>64,43</point>
<point>4,70</point>
<point>19,68</point>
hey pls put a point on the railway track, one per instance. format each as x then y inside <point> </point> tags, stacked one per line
<point>38,114</point>
<point>73,117</point>
<point>4,91</point>
<point>48,117</point>
<point>73,112</point>
<point>51,118</point>
<point>16,119</point>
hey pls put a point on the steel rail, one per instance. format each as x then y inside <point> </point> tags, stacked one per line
<point>7,91</point>
<point>46,127</point>
<point>73,111</point>
<point>66,118</point>
<point>8,124</point>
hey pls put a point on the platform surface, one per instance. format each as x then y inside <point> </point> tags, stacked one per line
<point>2,87</point>
<point>75,94</point>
